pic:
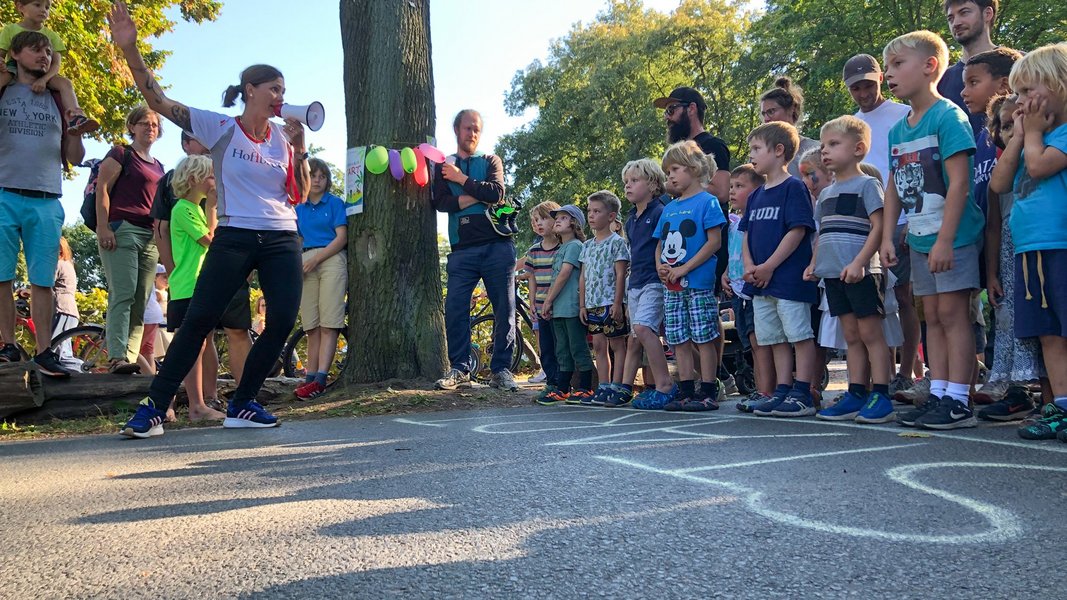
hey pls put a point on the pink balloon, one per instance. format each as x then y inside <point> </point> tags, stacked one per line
<point>431,153</point>
<point>422,172</point>
<point>395,166</point>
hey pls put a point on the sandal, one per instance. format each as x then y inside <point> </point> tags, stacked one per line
<point>121,367</point>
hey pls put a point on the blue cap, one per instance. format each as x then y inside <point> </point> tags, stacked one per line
<point>573,211</point>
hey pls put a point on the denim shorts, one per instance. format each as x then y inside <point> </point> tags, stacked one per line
<point>36,223</point>
<point>691,315</point>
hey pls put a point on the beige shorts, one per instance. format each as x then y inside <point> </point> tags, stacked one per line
<point>323,301</point>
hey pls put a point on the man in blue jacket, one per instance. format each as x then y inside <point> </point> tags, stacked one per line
<point>465,185</point>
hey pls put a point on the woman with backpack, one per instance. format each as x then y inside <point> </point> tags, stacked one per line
<point>261,172</point>
<point>126,183</point>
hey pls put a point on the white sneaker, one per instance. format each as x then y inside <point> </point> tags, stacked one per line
<point>539,378</point>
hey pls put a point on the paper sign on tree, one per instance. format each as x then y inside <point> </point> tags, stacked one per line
<point>354,180</point>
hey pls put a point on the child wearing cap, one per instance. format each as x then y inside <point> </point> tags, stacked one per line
<point>863,77</point>
<point>153,318</point>
<point>561,308</point>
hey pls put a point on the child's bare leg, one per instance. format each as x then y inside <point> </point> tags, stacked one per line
<point>77,122</point>
<point>1054,350</point>
<point>683,359</point>
<point>709,361</point>
<point>657,361</point>
<point>762,366</point>
<point>953,312</point>
<point>633,358</point>
<point>857,358</point>
<point>807,357</point>
<point>936,344</point>
<point>603,364</point>
<point>194,381</point>
<point>618,349</point>
<point>879,355</point>
<point>783,363</point>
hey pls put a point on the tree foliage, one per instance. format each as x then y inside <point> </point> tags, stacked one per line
<point>95,66</point>
<point>592,97</point>
<point>86,257</point>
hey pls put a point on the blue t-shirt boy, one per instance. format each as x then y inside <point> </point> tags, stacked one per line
<point>682,230</point>
<point>1039,216</point>
<point>917,160</point>
<point>769,216</point>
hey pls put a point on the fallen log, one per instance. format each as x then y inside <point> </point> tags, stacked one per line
<point>26,394</point>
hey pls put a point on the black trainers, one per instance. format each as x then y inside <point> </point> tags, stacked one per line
<point>9,353</point>
<point>908,418</point>
<point>949,414</point>
<point>48,364</point>
<point>1015,405</point>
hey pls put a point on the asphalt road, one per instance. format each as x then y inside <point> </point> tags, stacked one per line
<point>557,502</point>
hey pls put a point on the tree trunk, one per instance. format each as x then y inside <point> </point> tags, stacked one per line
<point>396,313</point>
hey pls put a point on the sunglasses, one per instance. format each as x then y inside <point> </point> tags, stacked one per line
<point>670,109</point>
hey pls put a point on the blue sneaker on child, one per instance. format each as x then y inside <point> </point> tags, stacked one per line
<point>797,404</point>
<point>248,415</point>
<point>846,408</point>
<point>767,407</point>
<point>146,422</point>
<point>878,409</point>
<point>655,400</point>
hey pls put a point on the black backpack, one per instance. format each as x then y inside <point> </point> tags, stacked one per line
<point>88,210</point>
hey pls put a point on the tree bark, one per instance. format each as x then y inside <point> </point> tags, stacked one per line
<point>396,312</point>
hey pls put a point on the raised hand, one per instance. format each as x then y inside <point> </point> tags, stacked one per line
<point>123,30</point>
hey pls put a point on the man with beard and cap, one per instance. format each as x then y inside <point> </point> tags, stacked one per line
<point>971,22</point>
<point>35,149</point>
<point>683,111</point>
<point>464,185</point>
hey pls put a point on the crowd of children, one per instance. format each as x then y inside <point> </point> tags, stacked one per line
<point>898,204</point>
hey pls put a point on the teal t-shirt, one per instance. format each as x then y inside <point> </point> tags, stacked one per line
<point>566,303</point>
<point>188,224</point>
<point>1039,216</point>
<point>917,163</point>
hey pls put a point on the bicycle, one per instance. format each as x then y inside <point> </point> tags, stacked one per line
<point>482,324</point>
<point>89,345</point>
<point>294,355</point>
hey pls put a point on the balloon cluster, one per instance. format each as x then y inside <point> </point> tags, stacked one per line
<point>404,161</point>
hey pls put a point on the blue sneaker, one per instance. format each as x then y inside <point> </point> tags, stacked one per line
<point>617,398</point>
<point>597,399</point>
<point>250,415</point>
<point>146,422</point>
<point>796,404</point>
<point>769,406</point>
<point>878,409</point>
<point>655,400</point>
<point>846,409</point>
<point>750,402</point>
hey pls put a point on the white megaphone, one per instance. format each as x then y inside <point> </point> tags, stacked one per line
<point>312,115</point>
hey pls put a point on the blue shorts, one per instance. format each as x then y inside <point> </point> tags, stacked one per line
<point>1039,280</point>
<point>744,320</point>
<point>691,316</point>
<point>37,223</point>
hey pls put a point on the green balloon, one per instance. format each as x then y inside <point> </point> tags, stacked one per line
<point>408,160</point>
<point>377,160</point>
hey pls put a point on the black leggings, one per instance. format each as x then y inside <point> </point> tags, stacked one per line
<point>233,254</point>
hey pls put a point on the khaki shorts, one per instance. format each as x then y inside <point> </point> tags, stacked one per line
<point>323,301</point>
<point>780,321</point>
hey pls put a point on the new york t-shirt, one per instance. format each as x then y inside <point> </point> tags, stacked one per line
<point>682,230</point>
<point>770,214</point>
<point>250,174</point>
<point>917,162</point>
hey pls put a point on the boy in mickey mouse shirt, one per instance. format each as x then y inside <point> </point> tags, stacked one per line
<point>690,231</point>
<point>778,225</point>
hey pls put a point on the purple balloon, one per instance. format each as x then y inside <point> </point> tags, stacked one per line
<point>396,168</point>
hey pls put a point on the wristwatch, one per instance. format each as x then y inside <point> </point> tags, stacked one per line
<point>302,155</point>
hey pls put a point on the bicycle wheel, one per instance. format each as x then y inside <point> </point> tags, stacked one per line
<point>294,357</point>
<point>87,346</point>
<point>222,347</point>
<point>482,345</point>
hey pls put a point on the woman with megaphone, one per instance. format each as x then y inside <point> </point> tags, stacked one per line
<point>261,172</point>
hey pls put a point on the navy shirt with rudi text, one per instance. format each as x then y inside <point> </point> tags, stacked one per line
<point>770,214</point>
<point>641,232</point>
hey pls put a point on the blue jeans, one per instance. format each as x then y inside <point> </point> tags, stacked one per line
<point>494,265</point>
<point>546,339</point>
